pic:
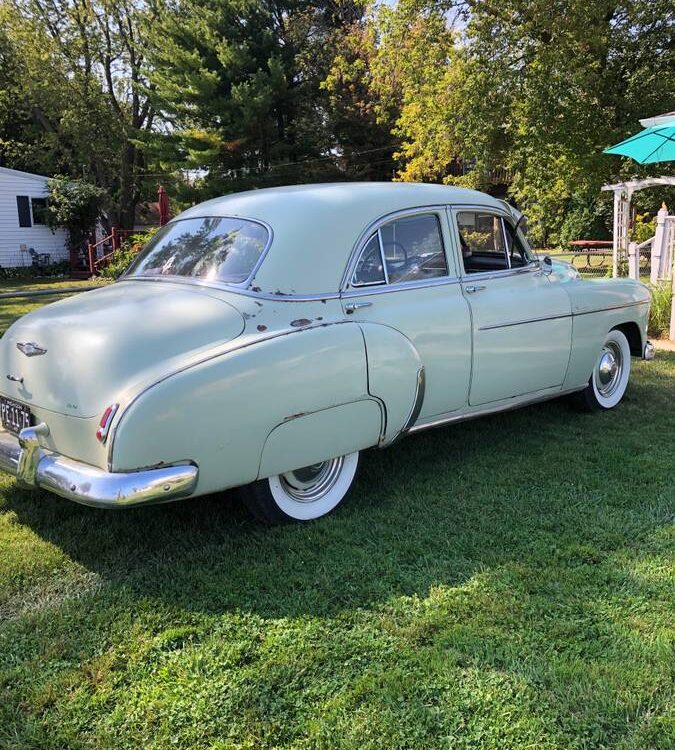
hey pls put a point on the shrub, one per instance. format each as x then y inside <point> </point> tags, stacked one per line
<point>659,313</point>
<point>122,258</point>
<point>584,219</point>
<point>74,205</point>
<point>643,228</point>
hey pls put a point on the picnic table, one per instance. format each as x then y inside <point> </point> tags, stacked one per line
<point>592,249</point>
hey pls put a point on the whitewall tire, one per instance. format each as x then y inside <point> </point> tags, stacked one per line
<point>607,385</point>
<point>303,494</point>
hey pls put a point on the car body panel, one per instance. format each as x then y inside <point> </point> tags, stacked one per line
<point>522,332</point>
<point>295,365</point>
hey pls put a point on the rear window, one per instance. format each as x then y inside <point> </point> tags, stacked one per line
<point>215,249</point>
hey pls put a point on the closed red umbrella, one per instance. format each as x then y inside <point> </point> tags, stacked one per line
<point>163,203</point>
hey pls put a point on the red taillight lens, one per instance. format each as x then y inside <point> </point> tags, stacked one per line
<point>104,424</point>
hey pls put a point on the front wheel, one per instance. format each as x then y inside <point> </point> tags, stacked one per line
<point>607,385</point>
<point>302,494</point>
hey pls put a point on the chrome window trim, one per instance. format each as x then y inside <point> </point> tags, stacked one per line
<point>399,287</point>
<point>374,226</point>
<point>239,284</point>
<point>533,265</point>
<point>384,267</point>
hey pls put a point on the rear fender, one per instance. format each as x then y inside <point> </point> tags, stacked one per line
<point>219,413</point>
<point>395,377</point>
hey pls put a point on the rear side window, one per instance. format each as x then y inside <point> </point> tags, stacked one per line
<point>405,249</point>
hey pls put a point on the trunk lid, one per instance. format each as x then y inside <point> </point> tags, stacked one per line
<point>98,343</point>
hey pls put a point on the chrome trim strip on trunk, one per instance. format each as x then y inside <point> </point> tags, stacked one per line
<point>89,485</point>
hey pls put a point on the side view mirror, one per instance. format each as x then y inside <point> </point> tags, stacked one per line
<point>546,265</point>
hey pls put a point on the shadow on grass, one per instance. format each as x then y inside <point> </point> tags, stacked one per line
<point>523,487</point>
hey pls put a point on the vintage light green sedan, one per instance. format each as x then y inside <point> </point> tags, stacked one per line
<point>263,340</point>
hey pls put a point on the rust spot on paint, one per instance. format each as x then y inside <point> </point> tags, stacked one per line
<point>295,416</point>
<point>256,289</point>
<point>300,322</point>
<point>320,317</point>
<point>261,327</point>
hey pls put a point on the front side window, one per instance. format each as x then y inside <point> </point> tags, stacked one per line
<point>481,238</point>
<point>406,249</point>
<point>214,249</point>
<point>489,242</point>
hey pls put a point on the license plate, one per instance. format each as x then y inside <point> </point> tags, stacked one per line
<point>14,416</point>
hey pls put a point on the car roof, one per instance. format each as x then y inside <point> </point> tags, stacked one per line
<point>315,226</point>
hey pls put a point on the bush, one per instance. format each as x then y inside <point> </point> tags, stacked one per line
<point>659,313</point>
<point>584,219</point>
<point>643,228</point>
<point>74,205</point>
<point>122,258</point>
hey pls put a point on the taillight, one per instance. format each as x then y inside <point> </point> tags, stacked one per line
<point>104,424</point>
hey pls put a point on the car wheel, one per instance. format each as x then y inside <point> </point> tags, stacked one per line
<point>607,385</point>
<point>302,494</point>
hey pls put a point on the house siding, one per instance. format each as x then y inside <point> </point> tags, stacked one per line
<point>12,236</point>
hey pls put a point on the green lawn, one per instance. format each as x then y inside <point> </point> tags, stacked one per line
<point>504,583</point>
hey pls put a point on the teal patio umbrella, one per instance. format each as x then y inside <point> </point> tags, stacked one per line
<point>651,145</point>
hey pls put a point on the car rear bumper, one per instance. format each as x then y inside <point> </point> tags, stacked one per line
<point>35,467</point>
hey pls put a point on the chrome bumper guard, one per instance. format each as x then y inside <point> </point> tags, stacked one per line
<point>648,352</point>
<point>35,467</point>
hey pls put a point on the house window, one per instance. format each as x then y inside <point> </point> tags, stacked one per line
<point>23,207</point>
<point>39,206</point>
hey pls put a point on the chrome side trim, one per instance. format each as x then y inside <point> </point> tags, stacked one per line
<point>524,321</point>
<point>610,307</point>
<point>256,267</point>
<point>466,416</point>
<point>280,297</point>
<point>402,287</point>
<point>87,484</point>
<point>420,387</point>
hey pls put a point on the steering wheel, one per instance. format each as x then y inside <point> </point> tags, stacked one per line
<point>397,245</point>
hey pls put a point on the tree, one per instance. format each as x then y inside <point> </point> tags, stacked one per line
<point>81,91</point>
<point>74,205</point>
<point>239,84</point>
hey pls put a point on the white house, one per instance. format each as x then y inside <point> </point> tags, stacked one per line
<point>23,198</point>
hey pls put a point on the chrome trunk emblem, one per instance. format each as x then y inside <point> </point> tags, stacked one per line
<point>30,348</point>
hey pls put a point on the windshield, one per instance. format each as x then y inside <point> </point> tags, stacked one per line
<point>215,249</point>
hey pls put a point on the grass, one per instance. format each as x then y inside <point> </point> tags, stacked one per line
<point>504,583</point>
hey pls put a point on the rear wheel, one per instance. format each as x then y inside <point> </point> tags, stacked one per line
<point>607,385</point>
<point>302,494</point>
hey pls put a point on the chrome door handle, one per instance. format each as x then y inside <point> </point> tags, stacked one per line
<point>473,289</point>
<point>350,307</point>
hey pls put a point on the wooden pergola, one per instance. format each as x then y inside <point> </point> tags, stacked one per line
<point>623,193</point>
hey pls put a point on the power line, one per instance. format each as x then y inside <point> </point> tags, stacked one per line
<point>279,165</point>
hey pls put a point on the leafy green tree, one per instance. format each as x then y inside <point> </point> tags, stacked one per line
<point>238,81</point>
<point>77,82</point>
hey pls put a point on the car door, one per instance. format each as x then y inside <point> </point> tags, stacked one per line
<point>521,318</point>
<point>402,276</point>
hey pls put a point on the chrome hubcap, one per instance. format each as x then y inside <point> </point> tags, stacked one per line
<point>609,369</point>
<point>313,482</point>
